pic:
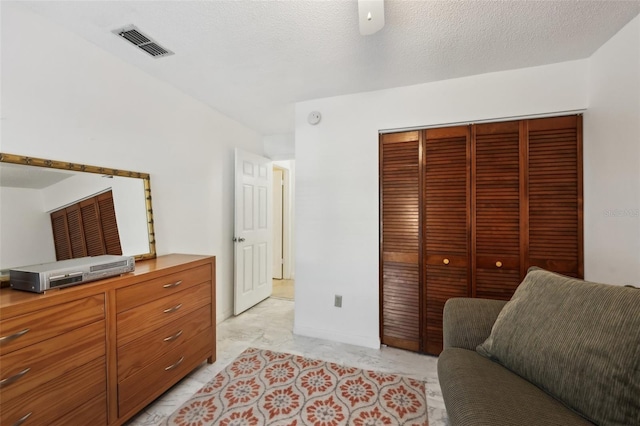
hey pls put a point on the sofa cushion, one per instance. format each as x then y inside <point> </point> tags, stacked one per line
<point>480,392</point>
<point>467,322</point>
<point>579,341</point>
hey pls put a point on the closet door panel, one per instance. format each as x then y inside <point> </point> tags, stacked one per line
<point>446,225</point>
<point>555,194</point>
<point>94,240</point>
<point>496,209</point>
<point>61,238</point>
<point>76,231</point>
<point>444,282</point>
<point>109,223</point>
<point>399,240</point>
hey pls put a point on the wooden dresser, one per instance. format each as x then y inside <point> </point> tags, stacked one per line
<point>98,353</point>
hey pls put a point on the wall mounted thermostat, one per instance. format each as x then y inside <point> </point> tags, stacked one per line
<point>314,117</point>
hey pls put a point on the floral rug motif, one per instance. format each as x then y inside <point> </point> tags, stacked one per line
<point>263,387</point>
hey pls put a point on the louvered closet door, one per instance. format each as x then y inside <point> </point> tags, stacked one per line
<point>555,194</point>
<point>76,231</point>
<point>108,223</point>
<point>61,235</point>
<point>446,217</point>
<point>400,236</point>
<point>91,226</point>
<point>496,209</point>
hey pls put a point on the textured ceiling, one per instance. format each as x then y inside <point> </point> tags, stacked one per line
<point>252,60</point>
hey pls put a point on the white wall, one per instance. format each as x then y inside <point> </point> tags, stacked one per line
<point>337,180</point>
<point>23,221</point>
<point>612,160</point>
<point>280,146</point>
<point>65,99</point>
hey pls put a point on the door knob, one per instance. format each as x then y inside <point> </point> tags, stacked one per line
<point>499,264</point>
<point>445,261</point>
<point>238,240</point>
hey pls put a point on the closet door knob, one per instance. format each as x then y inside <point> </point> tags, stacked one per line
<point>445,261</point>
<point>499,264</point>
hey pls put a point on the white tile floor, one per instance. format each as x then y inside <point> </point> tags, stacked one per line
<point>269,325</point>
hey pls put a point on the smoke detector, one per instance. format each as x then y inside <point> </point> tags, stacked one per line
<point>142,41</point>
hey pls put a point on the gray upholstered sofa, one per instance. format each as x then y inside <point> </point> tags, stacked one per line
<point>562,352</point>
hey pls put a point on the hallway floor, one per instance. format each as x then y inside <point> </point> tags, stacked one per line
<point>283,289</point>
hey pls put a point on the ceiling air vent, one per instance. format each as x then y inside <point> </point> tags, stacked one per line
<point>140,40</point>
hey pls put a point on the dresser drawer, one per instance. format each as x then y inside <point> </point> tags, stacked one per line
<point>92,413</point>
<point>151,381</point>
<point>146,291</point>
<point>24,330</point>
<point>133,356</point>
<point>33,366</point>
<point>57,397</point>
<point>142,319</point>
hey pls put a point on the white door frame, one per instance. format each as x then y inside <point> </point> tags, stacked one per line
<point>278,222</point>
<point>287,217</point>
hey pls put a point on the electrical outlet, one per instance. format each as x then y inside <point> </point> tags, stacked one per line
<point>337,302</point>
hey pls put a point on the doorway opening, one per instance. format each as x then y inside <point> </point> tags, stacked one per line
<point>283,268</point>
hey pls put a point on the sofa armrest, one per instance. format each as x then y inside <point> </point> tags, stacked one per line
<point>467,322</point>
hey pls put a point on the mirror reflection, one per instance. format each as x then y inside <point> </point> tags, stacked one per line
<point>30,194</point>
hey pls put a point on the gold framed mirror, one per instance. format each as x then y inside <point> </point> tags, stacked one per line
<point>31,189</point>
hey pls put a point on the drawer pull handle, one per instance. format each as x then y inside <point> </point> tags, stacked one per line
<point>7,339</point>
<point>175,308</point>
<point>22,419</point>
<point>445,261</point>
<point>14,378</point>
<point>171,367</point>
<point>174,337</point>
<point>171,285</point>
<point>499,264</point>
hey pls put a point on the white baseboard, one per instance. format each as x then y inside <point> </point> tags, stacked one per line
<point>373,342</point>
<point>221,316</point>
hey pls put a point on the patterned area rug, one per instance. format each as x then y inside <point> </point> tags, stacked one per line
<point>270,388</point>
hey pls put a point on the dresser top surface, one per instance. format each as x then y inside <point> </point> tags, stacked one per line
<point>10,298</point>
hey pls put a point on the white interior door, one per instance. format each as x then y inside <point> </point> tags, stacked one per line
<point>278,254</point>
<point>253,233</point>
